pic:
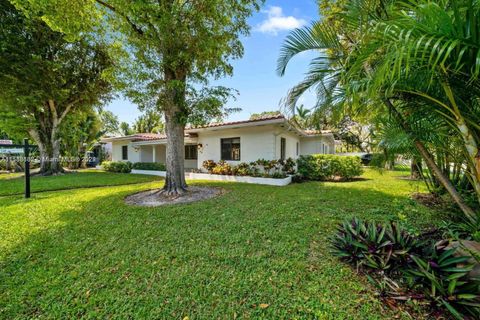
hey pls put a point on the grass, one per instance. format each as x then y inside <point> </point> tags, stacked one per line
<point>13,183</point>
<point>256,252</point>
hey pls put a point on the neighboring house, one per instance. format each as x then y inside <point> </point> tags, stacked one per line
<point>269,138</point>
<point>100,151</point>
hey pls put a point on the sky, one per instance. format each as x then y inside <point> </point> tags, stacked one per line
<point>260,88</point>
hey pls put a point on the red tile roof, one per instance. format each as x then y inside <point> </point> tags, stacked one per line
<point>153,136</point>
<point>188,130</point>
<point>148,136</point>
<point>221,124</point>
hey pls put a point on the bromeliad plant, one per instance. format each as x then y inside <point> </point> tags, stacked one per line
<point>427,270</point>
<point>443,277</point>
<point>372,245</point>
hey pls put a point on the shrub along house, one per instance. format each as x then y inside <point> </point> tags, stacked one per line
<point>269,138</point>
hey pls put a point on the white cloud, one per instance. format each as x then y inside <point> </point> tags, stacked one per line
<point>276,21</point>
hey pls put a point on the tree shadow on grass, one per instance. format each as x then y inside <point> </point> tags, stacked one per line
<point>93,256</point>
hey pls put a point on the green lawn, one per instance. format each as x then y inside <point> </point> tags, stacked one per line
<point>256,252</point>
<point>13,183</point>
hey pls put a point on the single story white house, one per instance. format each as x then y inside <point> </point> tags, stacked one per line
<point>270,138</point>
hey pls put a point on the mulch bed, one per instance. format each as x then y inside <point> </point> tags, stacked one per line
<point>153,198</point>
<point>429,200</point>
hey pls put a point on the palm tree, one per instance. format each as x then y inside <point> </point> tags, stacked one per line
<point>302,117</point>
<point>404,55</point>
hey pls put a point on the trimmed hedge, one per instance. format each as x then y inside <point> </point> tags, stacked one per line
<point>154,166</point>
<point>329,167</point>
<point>117,166</point>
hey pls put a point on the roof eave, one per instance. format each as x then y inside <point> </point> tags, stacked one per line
<point>238,125</point>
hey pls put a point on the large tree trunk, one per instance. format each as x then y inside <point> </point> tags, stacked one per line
<point>429,160</point>
<point>49,153</point>
<point>174,106</point>
<point>175,180</point>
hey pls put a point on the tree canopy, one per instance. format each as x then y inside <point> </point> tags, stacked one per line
<point>173,48</point>
<point>44,79</point>
<point>415,62</point>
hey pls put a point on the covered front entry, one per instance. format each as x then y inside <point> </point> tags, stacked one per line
<point>158,153</point>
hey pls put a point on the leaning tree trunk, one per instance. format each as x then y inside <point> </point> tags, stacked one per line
<point>445,181</point>
<point>429,160</point>
<point>473,153</point>
<point>471,146</point>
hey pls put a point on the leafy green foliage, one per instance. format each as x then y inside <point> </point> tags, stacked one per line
<point>85,251</point>
<point>443,277</point>
<point>265,114</point>
<point>155,166</point>
<point>14,184</point>
<point>209,104</point>
<point>44,79</point>
<point>379,247</point>
<point>222,167</point>
<point>277,169</point>
<point>463,229</point>
<point>288,165</point>
<point>242,169</point>
<point>80,131</point>
<point>125,129</point>
<point>117,166</point>
<point>427,270</point>
<point>413,63</point>
<point>172,49</point>
<point>149,122</point>
<point>329,167</point>
<point>110,123</point>
<point>378,160</point>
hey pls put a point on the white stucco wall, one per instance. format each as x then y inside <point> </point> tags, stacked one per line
<point>290,144</point>
<point>317,145</point>
<point>133,155</point>
<point>255,143</point>
<point>262,142</point>
<point>146,153</point>
<point>191,164</point>
<point>161,153</point>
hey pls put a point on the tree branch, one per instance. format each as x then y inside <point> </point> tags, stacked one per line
<point>67,110</point>
<point>136,28</point>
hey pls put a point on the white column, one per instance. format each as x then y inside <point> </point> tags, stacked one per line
<point>154,153</point>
